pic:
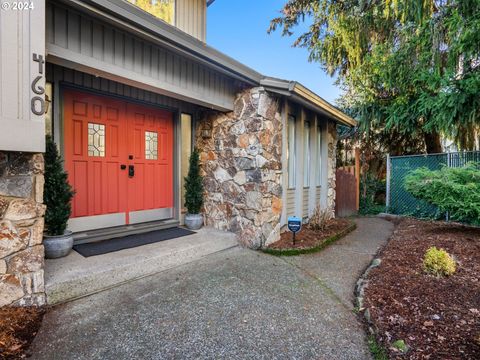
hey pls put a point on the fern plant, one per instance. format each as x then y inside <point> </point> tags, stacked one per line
<point>58,193</point>
<point>194,185</point>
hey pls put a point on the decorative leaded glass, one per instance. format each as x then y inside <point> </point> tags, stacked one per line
<point>96,140</point>
<point>151,145</point>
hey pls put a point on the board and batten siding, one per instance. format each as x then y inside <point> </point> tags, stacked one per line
<point>22,81</point>
<point>191,17</point>
<point>302,200</point>
<point>79,41</point>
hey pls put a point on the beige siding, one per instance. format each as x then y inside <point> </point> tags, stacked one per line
<point>22,35</point>
<point>305,201</point>
<point>290,206</point>
<point>77,40</point>
<point>190,17</point>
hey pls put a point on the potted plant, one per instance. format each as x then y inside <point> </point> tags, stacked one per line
<point>58,193</point>
<point>194,193</point>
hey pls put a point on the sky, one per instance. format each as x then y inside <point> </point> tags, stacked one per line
<point>239,29</point>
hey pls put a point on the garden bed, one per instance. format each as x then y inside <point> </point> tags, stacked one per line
<point>18,327</point>
<point>309,241</point>
<point>436,317</point>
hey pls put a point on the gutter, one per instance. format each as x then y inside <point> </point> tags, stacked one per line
<point>300,94</point>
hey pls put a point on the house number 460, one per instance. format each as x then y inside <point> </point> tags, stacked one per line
<point>37,103</point>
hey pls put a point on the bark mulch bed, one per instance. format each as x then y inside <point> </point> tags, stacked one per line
<point>18,327</point>
<point>437,318</point>
<point>309,241</point>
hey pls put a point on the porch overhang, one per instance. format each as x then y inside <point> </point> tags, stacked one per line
<point>307,98</point>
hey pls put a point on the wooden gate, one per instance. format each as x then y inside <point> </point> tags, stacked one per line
<point>348,188</point>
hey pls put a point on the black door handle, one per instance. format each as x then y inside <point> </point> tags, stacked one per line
<point>131,171</point>
<point>123,167</point>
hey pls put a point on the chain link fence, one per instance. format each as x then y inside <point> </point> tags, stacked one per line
<point>401,202</point>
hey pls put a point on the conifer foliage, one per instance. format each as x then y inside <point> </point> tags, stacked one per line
<point>57,192</point>
<point>194,185</point>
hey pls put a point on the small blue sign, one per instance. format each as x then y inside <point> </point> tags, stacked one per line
<point>294,224</point>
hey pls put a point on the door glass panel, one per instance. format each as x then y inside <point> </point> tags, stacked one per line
<point>96,140</point>
<point>151,145</point>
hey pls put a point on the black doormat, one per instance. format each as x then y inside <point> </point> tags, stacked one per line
<point>130,241</point>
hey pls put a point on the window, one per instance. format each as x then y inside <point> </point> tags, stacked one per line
<point>96,140</point>
<point>291,152</point>
<point>151,145</point>
<point>318,175</point>
<point>162,9</point>
<point>306,154</point>
<point>186,130</point>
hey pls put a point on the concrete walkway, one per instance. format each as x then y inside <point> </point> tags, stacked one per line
<point>75,276</point>
<point>235,304</point>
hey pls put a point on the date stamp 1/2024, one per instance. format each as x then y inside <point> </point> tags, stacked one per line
<point>17,5</point>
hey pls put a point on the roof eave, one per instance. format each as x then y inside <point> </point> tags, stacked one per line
<point>308,98</point>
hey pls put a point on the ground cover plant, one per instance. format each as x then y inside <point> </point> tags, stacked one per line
<point>452,190</point>
<point>435,317</point>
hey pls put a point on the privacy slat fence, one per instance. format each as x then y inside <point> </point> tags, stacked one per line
<point>348,188</point>
<point>346,198</point>
<point>401,202</point>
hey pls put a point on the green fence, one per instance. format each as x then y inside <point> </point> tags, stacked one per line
<point>399,201</point>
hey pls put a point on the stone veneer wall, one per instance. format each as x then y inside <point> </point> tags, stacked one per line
<point>332,165</point>
<point>21,229</point>
<point>241,163</point>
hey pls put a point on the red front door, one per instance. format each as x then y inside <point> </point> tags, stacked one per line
<point>119,157</point>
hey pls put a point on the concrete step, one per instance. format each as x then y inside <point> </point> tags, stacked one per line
<point>74,276</point>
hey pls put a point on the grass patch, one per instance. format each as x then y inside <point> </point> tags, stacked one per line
<point>310,250</point>
<point>378,351</point>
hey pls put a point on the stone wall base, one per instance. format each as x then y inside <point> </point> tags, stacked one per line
<point>21,229</point>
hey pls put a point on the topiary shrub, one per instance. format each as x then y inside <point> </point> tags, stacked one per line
<point>452,190</point>
<point>194,185</point>
<point>438,262</point>
<point>58,193</point>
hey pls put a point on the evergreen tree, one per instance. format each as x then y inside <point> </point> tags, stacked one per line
<point>57,192</point>
<point>408,67</point>
<point>194,185</point>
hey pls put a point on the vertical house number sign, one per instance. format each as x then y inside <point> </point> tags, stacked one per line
<point>37,103</point>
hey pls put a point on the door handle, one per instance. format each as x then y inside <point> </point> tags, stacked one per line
<point>131,170</point>
<point>123,167</point>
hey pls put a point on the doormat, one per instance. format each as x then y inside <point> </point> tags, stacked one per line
<point>130,241</point>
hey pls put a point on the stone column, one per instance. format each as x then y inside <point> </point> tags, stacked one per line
<point>241,162</point>
<point>332,165</point>
<point>21,229</point>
